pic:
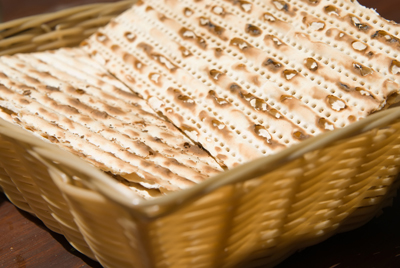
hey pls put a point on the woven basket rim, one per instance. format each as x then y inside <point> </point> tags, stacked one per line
<point>110,188</point>
<point>37,19</point>
<point>144,209</point>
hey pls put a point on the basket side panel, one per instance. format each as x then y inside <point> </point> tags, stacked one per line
<point>191,237</point>
<point>57,204</point>
<point>263,220</point>
<point>109,230</point>
<point>33,185</point>
<point>11,191</point>
<point>20,175</point>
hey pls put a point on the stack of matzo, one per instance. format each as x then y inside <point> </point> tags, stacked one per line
<point>215,84</point>
<point>67,98</point>
<point>248,79</point>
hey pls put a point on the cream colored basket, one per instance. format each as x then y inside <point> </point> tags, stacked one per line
<point>254,215</point>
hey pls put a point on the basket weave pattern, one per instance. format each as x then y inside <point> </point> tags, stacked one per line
<point>256,214</point>
<point>248,222</point>
<point>59,29</point>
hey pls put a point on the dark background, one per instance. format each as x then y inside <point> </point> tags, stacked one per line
<point>26,243</point>
<point>12,9</point>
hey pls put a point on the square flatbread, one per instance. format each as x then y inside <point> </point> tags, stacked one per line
<point>249,78</point>
<point>67,98</point>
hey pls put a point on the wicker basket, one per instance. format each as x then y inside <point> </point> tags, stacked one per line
<point>256,214</point>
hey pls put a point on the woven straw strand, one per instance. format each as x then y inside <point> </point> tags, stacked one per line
<point>60,29</point>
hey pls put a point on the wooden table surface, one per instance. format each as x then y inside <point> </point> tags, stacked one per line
<point>26,243</point>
